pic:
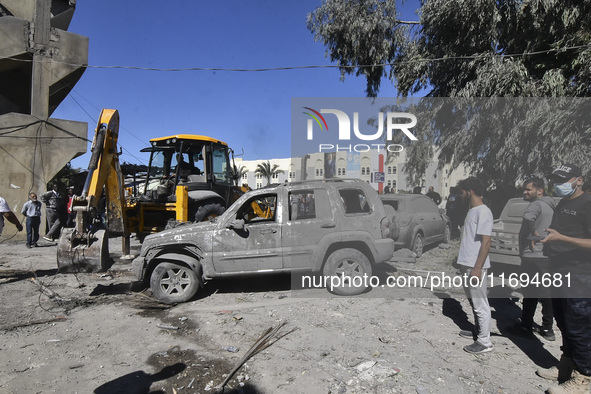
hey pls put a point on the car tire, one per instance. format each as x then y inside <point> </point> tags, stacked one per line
<point>173,283</point>
<point>208,211</point>
<point>347,263</point>
<point>418,245</point>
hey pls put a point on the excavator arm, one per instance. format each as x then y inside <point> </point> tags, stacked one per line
<point>85,247</point>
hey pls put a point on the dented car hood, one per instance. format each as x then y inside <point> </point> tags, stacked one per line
<point>198,234</point>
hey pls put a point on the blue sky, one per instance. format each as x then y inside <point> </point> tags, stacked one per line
<point>249,110</point>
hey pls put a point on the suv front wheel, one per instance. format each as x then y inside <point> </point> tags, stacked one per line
<point>173,283</point>
<point>347,264</point>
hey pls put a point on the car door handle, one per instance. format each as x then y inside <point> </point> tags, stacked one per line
<point>269,231</point>
<point>328,225</point>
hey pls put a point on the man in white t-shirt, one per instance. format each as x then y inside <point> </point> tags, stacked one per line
<point>474,262</point>
<point>5,212</point>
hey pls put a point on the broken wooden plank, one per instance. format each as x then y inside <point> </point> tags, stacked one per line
<point>33,322</point>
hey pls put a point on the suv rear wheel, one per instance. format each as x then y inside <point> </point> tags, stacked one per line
<point>418,245</point>
<point>347,264</point>
<point>173,283</point>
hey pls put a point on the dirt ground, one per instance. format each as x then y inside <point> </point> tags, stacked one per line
<point>101,333</point>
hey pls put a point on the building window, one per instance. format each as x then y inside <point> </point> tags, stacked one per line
<point>245,175</point>
<point>259,185</point>
<point>389,170</point>
<point>394,170</point>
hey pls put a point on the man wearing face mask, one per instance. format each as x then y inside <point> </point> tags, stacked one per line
<point>568,245</point>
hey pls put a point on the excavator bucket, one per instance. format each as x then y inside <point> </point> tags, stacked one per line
<point>87,253</point>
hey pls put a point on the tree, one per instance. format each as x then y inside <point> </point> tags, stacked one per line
<point>67,177</point>
<point>267,171</point>
<point>475,48</point>
<point>237,173</point>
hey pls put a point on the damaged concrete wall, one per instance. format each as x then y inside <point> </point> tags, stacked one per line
<point>40,62</point>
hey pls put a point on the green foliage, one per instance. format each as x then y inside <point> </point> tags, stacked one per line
<point>237,173</point>
<point>267,171</point>
<point>64,178</point>
<point>360,35</point>
<point>476,48</point>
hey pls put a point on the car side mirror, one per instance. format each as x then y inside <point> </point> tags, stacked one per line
<point>237,224</point>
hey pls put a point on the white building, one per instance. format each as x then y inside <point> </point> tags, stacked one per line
<point>370,166</point>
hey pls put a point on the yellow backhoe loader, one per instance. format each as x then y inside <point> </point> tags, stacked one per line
<point>189,178</point>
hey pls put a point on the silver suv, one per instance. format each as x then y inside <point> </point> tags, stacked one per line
<point>336,227</point>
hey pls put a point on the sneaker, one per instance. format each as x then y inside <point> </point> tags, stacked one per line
<point>48,239</point>
<point>467,334</point>
<point>546,333</point>
<point>577,384</point>
<point>35,245</point>
<point>28,246</point>
<point>548,373</point>
<point>477,348</point>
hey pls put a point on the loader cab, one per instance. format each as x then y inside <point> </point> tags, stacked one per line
<point>197,162</point>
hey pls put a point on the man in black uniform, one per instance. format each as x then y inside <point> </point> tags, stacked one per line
<point>568,245</point>
<point>433,195</point>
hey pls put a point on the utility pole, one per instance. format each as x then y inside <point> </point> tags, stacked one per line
<point>41,75</point>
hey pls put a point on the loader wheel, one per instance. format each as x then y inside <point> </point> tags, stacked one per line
<point>173,283</point>
<point>208,211</point>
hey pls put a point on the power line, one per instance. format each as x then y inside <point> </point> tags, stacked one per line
<point>287,68</point>
<point>123,128</point>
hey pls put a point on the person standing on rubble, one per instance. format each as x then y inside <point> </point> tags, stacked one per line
<point>568,245</point>
<point>32,211</point>
<point>52,202</point>
<point>474,261</point>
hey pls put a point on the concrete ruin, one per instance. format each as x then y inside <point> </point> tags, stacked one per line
<point>40,62</point>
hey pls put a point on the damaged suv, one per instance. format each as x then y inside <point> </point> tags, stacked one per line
<point>333,227</point>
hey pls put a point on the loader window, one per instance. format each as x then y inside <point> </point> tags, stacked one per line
<point>156,170</point>
<point>221,165</point>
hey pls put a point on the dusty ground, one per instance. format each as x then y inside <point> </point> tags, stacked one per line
<point>110,337</point>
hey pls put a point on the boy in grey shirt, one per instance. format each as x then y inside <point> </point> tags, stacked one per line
<point>474,262</point>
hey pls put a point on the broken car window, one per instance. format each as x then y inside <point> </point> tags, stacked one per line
<point>354,201</point>
<point>302,205</point>
<point>258,209</point>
